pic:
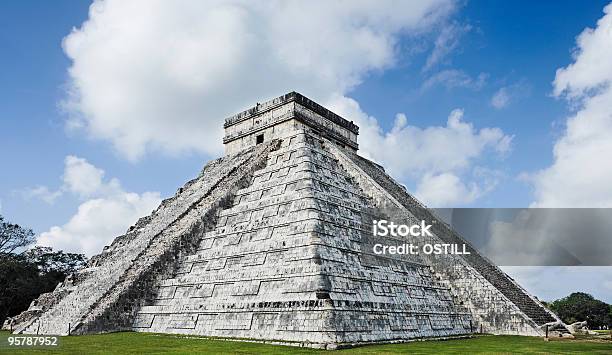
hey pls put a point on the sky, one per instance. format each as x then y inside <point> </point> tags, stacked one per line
<point>107,108</point>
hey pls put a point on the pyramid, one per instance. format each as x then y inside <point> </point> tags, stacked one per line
<point>273,241</point>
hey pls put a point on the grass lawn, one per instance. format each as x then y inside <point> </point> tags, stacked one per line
<point>142,343</point>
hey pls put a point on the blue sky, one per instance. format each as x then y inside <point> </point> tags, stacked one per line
<point>515,43</point>
<point>32,86</point>
<point>514,46</point>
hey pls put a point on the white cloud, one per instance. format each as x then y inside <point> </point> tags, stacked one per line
<point>510,93</point>
<point>98,221</point>
<point>544,281</point>
<point>501,98</point>
<point>581,172</point>
<point>446,189</point>
<point>558,236</point>
<point>453,78</point>
<point>146,72</point>
<point>43,193</point>
<point>107,213</point>
<point>434,156</point>
<point>82,178</point>
<point>592,67</point>
<point>447,41</point>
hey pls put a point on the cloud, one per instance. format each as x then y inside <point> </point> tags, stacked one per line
<point>543,281</point>
<point>446,189</point>
<point>581,172</point>
<point>453,78</point>
<point>507,94</point>
<point>98,221</point>
<point>41,192</point>
<point>106,212</point>
<point>592,68</point>
<point>552,236</point>
<point>80,178</point>
<point>436,157</point>
<point>447,41</point>
<point>146,72</point>
<point>501,98</point>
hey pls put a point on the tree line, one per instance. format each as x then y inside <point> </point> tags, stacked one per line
<point>27,272</point>
<point>579,307</point>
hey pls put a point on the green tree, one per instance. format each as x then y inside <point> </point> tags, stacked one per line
<point>580,306</point>
<point>54,262</point>
<point>20,283</point>
<point>13,237</point>
<point>26,275</point>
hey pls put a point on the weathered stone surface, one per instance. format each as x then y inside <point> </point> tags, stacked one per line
<point>286,262</point>
<point>104,295</point>
<point>271,120</point>
<point>273,242</point>
<point>496,301</point>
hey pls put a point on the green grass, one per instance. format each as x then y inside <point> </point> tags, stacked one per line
<point>141,343</point>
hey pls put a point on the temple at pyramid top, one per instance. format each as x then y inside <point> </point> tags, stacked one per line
<point>277,117</point>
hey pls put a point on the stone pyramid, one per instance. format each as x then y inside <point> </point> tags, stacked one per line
<point>273,241</point>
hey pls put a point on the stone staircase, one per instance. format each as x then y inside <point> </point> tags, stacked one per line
<point>103,296</point>
<point>531,307</point>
